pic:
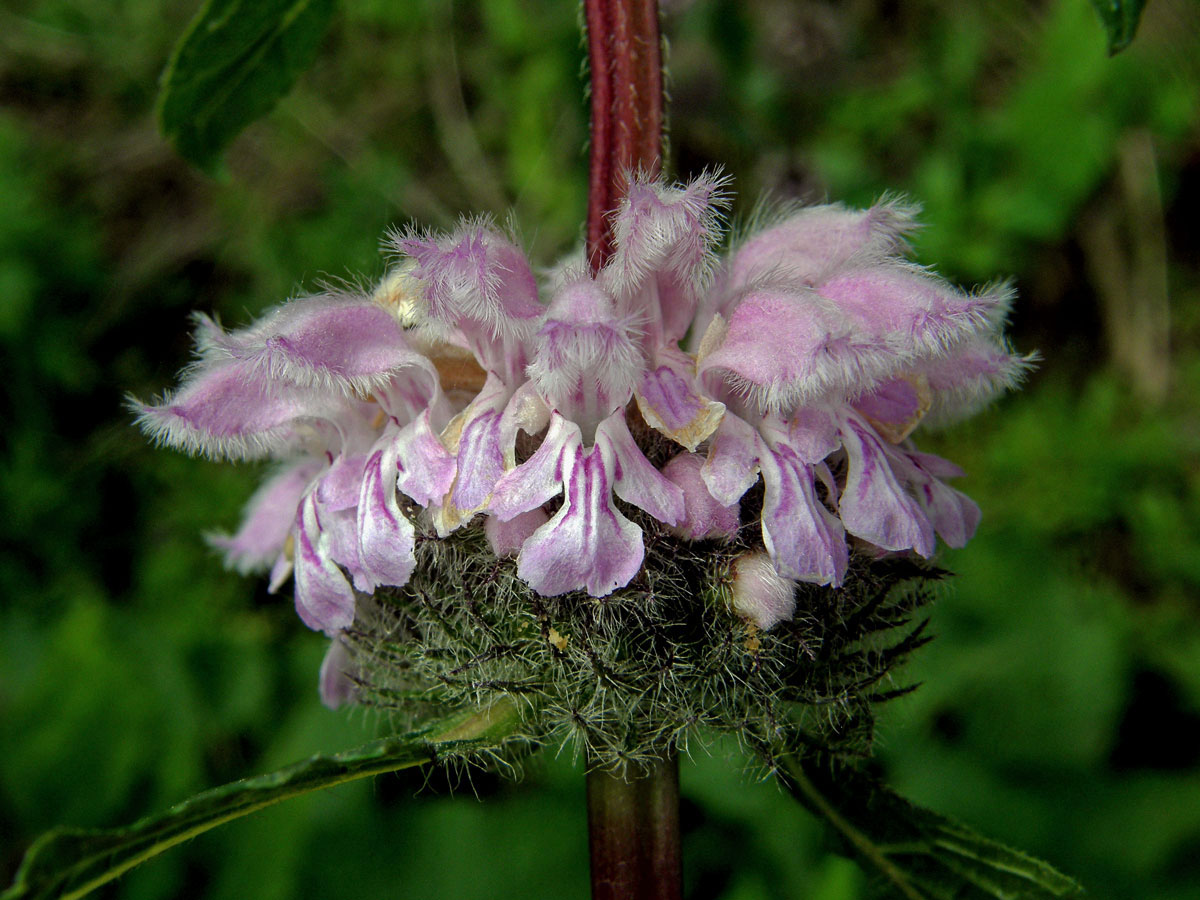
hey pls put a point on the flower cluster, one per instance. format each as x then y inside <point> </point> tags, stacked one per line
<point>458,395</point>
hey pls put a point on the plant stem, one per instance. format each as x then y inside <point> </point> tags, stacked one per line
<point>633,825</point>
<point>625,58</point>
<point>633,832</point>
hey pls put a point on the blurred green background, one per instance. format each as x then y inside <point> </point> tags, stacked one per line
<point>1060,709</point>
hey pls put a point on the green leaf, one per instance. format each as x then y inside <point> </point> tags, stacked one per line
<point>234,63</point>
<point>67,863</point>
<point>1120,18</point>
<point>914,853</point>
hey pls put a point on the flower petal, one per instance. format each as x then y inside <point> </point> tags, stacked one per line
<point>525,411</point>
<point>474,274</point>
<point>476,439</point>
<point>663,257</point>
<point>480,461</point>
<point>324,598</point>
<point>339,487</point>
<point>385,536</point>
<point>895,408</point>
<point>920,313</point>
<point>813,241</point>
<point>268,519</point>
<point>336,342</point>
<point>425,468</point>
<point>339,532</point>
<point>634,478</point>
<point>586,362</point>
<point>787,346</point>
<point>811,432</point>
<point>873,505</point>
<point>954,515</point>
<point>732,465</point>
<point>805,540</point>
<point>227,409</point>
<point>670,402</point>
<point>588,544</point>
<point>410,392</point>
<point>971,376</point>
<point>541,476</point>
<point>281,571</point>
<point>930,464</point>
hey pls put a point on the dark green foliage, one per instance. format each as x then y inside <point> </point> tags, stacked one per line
<point>1120,18</point>
<point>237,59</point>
<point>69,863</point>
<point>1058,704</point>
<point>912,853</point>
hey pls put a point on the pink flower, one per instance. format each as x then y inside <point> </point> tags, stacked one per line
<point>294,387</point>
<point>828,348</point>
<point>805,358</point>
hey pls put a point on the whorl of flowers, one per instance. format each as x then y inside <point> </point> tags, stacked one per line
<point>460,395</point>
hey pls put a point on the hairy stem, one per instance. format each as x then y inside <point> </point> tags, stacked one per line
<point>625,58</point>
<point>633,832</point>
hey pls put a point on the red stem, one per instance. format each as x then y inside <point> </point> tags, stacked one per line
<point>625,57</point>
<point>633,833</point>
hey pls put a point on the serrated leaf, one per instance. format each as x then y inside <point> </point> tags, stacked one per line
<point>1120,18</point>
<point>68,863</point>
<point>914,853</point>
<point>234,63</point>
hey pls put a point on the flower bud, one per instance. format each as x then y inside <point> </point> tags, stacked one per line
<point>506,538</point>
<point>704,517</point>
<point>761,594</point>
<point>336,684</point>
